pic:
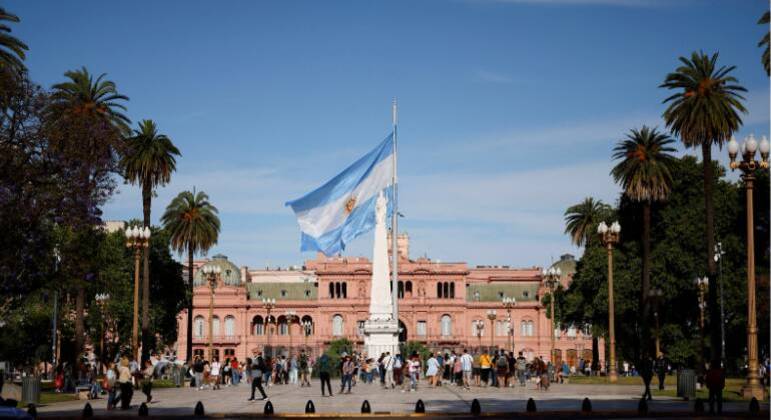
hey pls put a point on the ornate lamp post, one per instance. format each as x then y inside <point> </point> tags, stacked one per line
<point>551,278</point>
<point>137,239</point>
<point>479,326</point>
<point>719,260</point>
<point>655,296</point>
<point>211,273</point>
<point>491,315</point>
<point>268,304</point>
<point>291,315</point>
<point>101,301</point>
<point>748,165</point>
<point>609,236</point>
<point>509,303</point>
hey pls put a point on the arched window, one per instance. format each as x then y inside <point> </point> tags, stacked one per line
<point>307,325</point>
<point>523,328</point>
<point>331,290</point>
<point>529,328</point>
<point>258,328</point>
<point>408,288</point>
<point>338,292</point>
<point>230,326</point>
<point>337,325</point>
<point>452,290</point>
<point>445,290</point>
<point>345,290</point>
<point>400,292</point>
<point>215,326</point>
<point>475,329</point>
<point>199,326</point>
<point>283,327</point>
<point>439,290</point>
<point>446,325</point>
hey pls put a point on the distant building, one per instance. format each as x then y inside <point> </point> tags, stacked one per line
<point>440,304</point>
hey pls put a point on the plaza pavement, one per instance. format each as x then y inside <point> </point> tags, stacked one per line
<point>291,399</point>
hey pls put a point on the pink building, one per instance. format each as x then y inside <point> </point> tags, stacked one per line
<point>444,305</point>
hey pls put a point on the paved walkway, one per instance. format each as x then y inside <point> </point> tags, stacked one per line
<point>288,399</point>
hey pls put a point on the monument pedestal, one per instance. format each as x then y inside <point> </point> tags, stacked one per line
<point>381,336</point>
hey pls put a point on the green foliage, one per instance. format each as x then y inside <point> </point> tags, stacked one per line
<point>335,352</point>
<point>581,220</point>
<point>412,347</point>
<point>12,50</point>
<point>677,258</point>
<point>764,42</point>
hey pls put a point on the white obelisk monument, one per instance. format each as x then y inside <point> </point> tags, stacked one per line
<point>381,330</point>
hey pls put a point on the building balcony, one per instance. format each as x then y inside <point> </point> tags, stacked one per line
<point>217,339</point>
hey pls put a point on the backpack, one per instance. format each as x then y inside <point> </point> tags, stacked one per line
<point>502,362</point>
<point>521,364</point>
<point>303,362</point>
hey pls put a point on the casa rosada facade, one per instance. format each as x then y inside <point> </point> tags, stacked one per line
<point>446,306</point>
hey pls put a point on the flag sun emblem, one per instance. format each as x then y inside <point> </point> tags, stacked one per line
<point>350,204</point>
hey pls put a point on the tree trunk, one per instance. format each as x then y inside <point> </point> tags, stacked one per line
<point>189,347</point>
<point>645,284</point>
<point>147,340</point>
<point>80,330</point>
<point>709,231</point>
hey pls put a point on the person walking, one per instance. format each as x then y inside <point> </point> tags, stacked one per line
<point>303,369</point>
<point>715,384</point>
<point>398,369</point>
<point>325,367</point>
<point>147,380</point>
<point>466,364</point>
<point>257,369</point>
<point>248,370</point>
<point>348,371</point>
<point>214,374</point>
<point>125,384</point>
<point>485,365</point>
<point>110,379</point>
<point>432,368</point>
<point>661,370</point>
<point>646,371</point>
<point>198,372</point>
<point>502,369</point>
<point>235,371</point>
<point>388,369</point>
<point>477,370</point>
<point>293,372</point>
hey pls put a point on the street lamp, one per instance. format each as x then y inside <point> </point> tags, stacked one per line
<point>268,304</point>
<point>509,303</point>
<point>551,278</point>
<point>609,235</point>
<point>137,239</point>
<point>101,301</point>
<point>719,260</point>
<point>491,315</point>
<point>655,295</point>
<point>211,273</point>
<point>748,165</point>
<point>291,315</point>
<point>479,326</point>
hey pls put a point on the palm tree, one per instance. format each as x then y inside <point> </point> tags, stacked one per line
<point>148,161</point>
<point>582,219</point>
<point>764,20</point>
<point>705,112</point>
<point>12,50</point>
<point>194,227</point>
<point>89,112</point>
<point>643,172</point>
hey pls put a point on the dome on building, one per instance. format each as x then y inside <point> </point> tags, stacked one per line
<point>566,264</point>
<point>230,273</point>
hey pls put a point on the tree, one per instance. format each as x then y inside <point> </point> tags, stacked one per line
<point>764,20</point>
<point>193,225</point>
<point>643,172</point>
<point>704,112</point>
<point>12,50</point>
<point>582,219</point>
<point>149,160</point>
<point>84,130</point>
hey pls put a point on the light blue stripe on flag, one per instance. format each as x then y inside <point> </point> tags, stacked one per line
<point>343,208</point>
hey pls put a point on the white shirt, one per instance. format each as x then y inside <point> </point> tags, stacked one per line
<point>215,368</point>
<point>388,362</point>
<point>466,362</point>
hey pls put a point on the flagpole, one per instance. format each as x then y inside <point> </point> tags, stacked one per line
<point>394,225</point>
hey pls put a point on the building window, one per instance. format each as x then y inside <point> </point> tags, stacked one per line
<point>500,295</point>
<point>420,329</point>
<point>198,326</point>
<point>215,322</point>
<point>400,290</point>
<point>337,325</point>
<point>198,353</point>
<point>439,290</point>
<point>338,290</point>
<point>445,290</point>
<point>307,293</point>
<point>230,326</point>
<point>259,293</point>
<point>360,327</point>
<point>331,290</point>
<point>525,294</point>
<point>408,288</point>
<point>283,327</point>
<point>476,295</point>
<point>345,290</point>
<point>477,328</point>
<point>258,328</point>
<point>446,325</point>
<point>283,293</point>
<point>526,328</point>
<point>572,332</point>
<point>229,352</point>
<point>502,328</point>
<point>452,290</point>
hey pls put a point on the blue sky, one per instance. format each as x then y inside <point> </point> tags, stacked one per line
<point>508,109</point>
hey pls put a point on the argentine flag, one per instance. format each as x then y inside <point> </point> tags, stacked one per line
<point>342,209</point>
